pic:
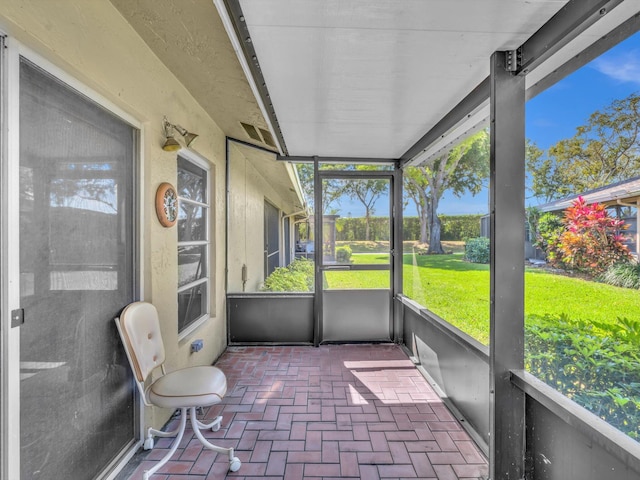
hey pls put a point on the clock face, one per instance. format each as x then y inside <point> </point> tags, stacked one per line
<point>167,204</point>
<point>171,205</point>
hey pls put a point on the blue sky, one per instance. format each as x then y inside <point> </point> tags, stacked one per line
<point>555,113</point>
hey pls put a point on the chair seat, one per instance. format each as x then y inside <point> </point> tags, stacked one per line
<point>189,387</point>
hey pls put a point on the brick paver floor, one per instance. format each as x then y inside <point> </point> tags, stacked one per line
<point>337,411</point>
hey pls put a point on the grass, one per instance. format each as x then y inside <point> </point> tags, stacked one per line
<point>458,291</point>
<point>408,245</point>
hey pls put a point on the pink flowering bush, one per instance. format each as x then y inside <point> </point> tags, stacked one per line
<point>592,240</point>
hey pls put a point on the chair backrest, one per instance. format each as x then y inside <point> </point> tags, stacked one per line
<point>139,329</point>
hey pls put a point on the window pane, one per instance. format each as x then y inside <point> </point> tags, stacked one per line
<point>192,304</point>
<point>192,181</point>
<point>582,278</point>
<point>446,253</point>
<point>192,263</point>
<point>191,222</point>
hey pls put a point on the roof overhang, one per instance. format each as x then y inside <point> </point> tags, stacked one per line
<point>403,81</point>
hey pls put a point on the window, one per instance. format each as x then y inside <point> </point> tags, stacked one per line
<point>193,242</point>
<point>582,276</point>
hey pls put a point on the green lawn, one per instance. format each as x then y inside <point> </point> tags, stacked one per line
<point>458,291</point>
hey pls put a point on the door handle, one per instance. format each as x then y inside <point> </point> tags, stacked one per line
<point>17,317</point>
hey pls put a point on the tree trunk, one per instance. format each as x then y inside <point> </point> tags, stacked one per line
<point>423,214</point>
<point>423,230</point>
<point>434,228</point>
<point>367,228</point>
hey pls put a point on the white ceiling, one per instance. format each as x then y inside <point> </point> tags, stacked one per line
<point>363,78</point>
<point>349,78</point>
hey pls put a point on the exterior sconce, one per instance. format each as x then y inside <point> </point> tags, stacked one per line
<point>171,144</point>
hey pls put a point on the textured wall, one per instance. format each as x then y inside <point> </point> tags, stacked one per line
<point>91,41</point>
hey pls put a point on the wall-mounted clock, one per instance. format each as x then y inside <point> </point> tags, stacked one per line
<point>167,204</point>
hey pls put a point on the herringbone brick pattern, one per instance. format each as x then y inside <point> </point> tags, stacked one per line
<point>337,411</point>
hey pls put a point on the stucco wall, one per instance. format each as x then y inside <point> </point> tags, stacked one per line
<point>90,40</point>
<point>248,190</point>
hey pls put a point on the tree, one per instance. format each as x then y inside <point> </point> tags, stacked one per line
<point>463,169</point>
<point>604,151</point>
<point>367,191</point>
<point>331,191</point>
<point>416,185</point>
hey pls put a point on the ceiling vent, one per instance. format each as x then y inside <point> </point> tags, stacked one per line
<point>259,135</point>
<point>251,131</point>
<point>267,137</point>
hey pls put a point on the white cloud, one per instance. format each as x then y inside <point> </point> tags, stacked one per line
<point>624,67</point>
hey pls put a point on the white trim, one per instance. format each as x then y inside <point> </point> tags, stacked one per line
<point>4,256</point>
<point>196,158</point>
<point>201,162</point>
<point>10,219</point>
<point>195,283</point>
<point>192,327</point>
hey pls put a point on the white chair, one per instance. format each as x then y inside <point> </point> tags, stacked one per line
<point>186,389</point>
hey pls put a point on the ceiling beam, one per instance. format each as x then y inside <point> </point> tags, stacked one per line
<point>617,35</point>
<point>570,21</point>
<point>353,160</point>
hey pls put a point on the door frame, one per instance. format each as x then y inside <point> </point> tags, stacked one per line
<point>10,244</point>
<point>395,241</point>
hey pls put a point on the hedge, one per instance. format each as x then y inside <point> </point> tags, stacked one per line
<point>453,228</point>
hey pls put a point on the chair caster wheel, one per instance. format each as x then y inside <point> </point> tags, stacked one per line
<point>148,443</point>
<point>234,464</point>
<point>216,425</point>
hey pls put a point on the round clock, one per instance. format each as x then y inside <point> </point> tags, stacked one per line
<point>167,204</point>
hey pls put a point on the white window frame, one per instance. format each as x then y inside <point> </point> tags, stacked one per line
<point>201,162</point>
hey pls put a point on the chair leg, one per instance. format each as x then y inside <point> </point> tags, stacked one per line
<point>234,462</point>
<point>174,446</point>
<point>152,432</point>
<point>213,426</point>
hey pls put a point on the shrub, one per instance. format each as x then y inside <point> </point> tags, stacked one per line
<point>459,227</point>
<point>625,274</point>
<point>476,250</point>
<point>595,364</point>
<point>549,227</point>
<point>591,240</point>
<point>343,254</point>
<point>297,277</point>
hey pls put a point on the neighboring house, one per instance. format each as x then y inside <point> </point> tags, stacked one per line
<point>621,198</point>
